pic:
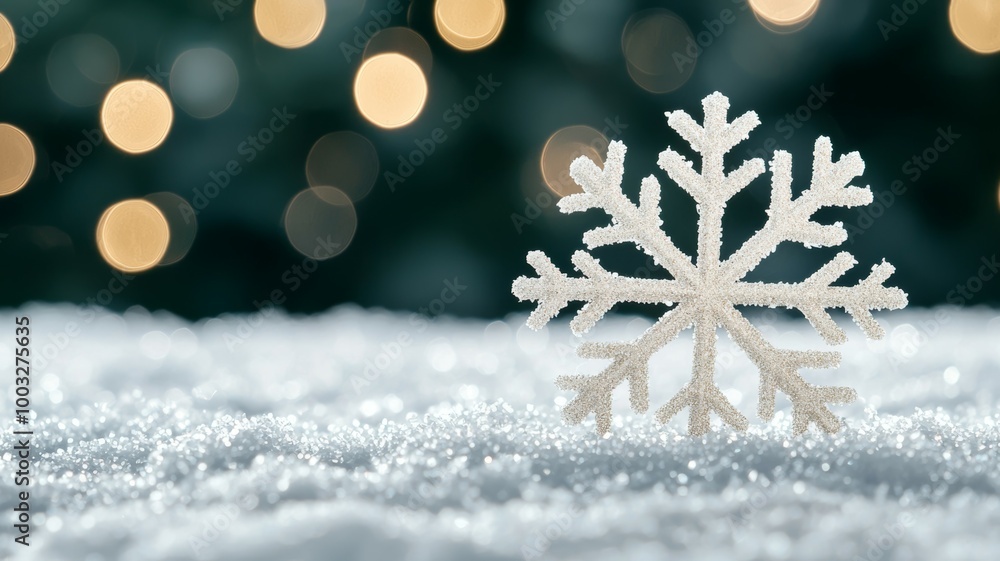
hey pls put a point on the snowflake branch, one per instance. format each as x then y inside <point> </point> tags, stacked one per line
<point>791,220</point>
<point>629,361</point>
<point>701,394</point>
<point>600,289</point>
<point>639,225</point>
<point>712,187</point>
<point>779,371</point>
<point>815,295</point>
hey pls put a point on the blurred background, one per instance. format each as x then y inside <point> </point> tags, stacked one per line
<point>211,156</point>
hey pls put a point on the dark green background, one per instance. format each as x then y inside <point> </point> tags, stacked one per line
<point>453,217</point>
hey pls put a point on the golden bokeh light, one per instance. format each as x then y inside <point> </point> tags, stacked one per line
<point>133,236</point>
<point>289,23</point>
<point>784,16</point>
<point>404,41</point>
<point>8,41</point>
<point>976,23</point>
<point>469,25</point>
<point>565,146</point>
<point>651,43</point>
<point>320,222</point>
<point>17,159</point>
<point>137,116</point>
<point>345,160</point>
<point>182,222</point>
<point>390,90</point>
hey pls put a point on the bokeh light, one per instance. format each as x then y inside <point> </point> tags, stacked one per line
<point>784,16</point>
<point>320,222</point>
<point>469,25</point>
<point>289,23</point>
<point>203,82</point>
<point>8,42</point>
<point>17,159</point>
<point>345,160</point>
<point>133,235</point>
<point>404,41</point>
<point>136,116</point>
<point>80,68</point>
<point>182,222</point>
<point>390,90</point>
<point>562,148</point>
<point>651,43</point>
<point>976,23</point>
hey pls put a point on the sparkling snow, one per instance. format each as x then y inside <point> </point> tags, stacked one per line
<point>370,435</point>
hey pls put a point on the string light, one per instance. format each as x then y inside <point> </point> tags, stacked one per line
<point>133,236</point>
<point>8,42</point>
<point>17,159</point>
<point>564,146</point>
<point>290,24</point>
<point>784,16</point>
<point>137,116</point>
<point>976,23</point>
<point>390,90</point>
<point>469,25</point>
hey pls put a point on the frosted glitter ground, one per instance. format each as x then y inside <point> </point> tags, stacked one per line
<point>154,441</point>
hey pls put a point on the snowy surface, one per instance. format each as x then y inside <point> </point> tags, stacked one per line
<point>159,439</point>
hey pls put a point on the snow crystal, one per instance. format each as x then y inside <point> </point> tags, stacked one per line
<point>707,293</point>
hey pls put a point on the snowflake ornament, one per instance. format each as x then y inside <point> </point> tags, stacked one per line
<point>704,295</point>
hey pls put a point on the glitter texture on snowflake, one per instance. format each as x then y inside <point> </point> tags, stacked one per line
<point>705,295</point>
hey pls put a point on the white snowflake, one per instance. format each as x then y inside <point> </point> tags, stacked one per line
<point>704,295</point>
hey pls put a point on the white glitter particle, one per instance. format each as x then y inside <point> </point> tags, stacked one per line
<point>705,295</point>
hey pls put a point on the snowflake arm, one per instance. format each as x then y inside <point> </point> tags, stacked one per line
<point>791,220</point>
<point>815,295</point>
<point>701,394</point>
<point>553,290</point>
<point>779,370</point>
<point>629,361</point>
<point>641,225</point>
